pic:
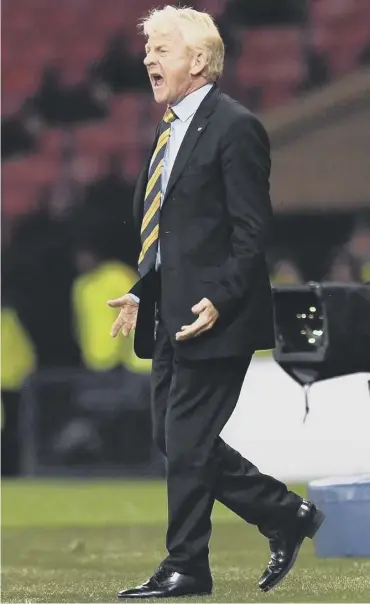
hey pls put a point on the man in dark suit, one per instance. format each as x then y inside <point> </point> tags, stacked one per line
<point>203,303</point>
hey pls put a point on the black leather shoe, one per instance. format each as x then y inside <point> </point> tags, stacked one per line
<point>166,583</point>
<point>285,546</point>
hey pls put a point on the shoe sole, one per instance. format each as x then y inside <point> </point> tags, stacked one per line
<point>316,522</point>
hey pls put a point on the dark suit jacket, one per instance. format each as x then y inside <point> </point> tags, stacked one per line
<point>214,222</point>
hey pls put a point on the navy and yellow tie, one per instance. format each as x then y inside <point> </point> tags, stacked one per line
<point>152,200</point>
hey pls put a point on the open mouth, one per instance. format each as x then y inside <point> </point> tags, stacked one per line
<point>156,79</point>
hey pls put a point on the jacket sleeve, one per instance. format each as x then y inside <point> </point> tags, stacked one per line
<point>135,291</point>
<point>245,160</point>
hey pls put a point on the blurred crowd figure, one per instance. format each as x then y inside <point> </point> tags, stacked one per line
<point>60,266</point>
<point>44,256</point>
<point>57,103</point>
<point>120,69</point>
<point>285,272</point>
<point>348,262</point>
<point>351,263</point>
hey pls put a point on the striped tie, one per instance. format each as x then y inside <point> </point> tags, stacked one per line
<point>152,201</point>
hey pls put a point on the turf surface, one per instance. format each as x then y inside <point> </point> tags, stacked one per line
<point>81,541</point>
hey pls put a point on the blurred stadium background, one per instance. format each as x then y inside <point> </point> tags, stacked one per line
<point>77,122</point>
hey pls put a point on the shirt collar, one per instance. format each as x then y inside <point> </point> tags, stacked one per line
<point>189,105</point>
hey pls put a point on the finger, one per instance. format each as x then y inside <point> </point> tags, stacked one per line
<point>117,303</point>
<point>189,331</point>
<point>199,322</point>
<point>126,330</point>
<point>187,335</point>
<point>128,327</point>
<point>198,332</point>
<point>202,324</point>
<point>117,325</point>
<point>202,305</point>
<point>130,319</point>
<point>114,331</point>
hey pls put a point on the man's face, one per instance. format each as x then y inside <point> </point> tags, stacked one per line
<point>169,64</point>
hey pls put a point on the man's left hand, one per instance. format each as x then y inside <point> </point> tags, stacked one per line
<point>207,317</point>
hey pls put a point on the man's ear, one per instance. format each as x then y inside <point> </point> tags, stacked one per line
<point>198,63</point>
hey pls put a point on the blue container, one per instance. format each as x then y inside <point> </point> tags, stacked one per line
<point>346,504</point>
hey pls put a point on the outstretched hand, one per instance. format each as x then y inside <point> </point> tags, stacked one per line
<point>207,317</point>
<point>126,320</point>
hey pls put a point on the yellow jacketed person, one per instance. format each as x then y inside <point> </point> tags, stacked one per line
<point>93,318</point>
<point>18,358</point>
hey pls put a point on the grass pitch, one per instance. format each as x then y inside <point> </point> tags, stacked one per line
<point>75,541</point>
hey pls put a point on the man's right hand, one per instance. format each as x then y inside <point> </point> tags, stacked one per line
<point>126,320</point>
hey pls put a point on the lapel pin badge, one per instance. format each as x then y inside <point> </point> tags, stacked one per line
<point>200,128</point>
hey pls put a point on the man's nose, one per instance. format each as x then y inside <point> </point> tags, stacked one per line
<point>148,60</point>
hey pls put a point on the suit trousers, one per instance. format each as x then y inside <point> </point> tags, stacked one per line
<point>191,403</point>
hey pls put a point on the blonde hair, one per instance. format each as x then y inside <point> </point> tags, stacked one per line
<point>197,29</point>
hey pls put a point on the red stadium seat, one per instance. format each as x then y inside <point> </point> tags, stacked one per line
<point>23,180</point>
<point>74,33</point>
<point>340,31</point>
<point>51,142</point>
<point>214,7</point>
<point>271,60</point>
<point>275,94</point>
<point>126,111</point>
<point>19,81</point>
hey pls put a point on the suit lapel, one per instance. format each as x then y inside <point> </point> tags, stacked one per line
<point>196,129</point>
<point>138,204</point>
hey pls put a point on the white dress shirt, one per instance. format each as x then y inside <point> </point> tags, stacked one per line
<point>185,111</point>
